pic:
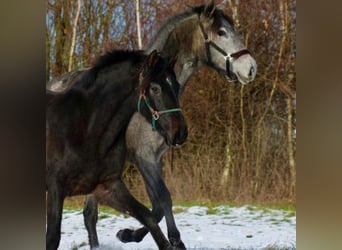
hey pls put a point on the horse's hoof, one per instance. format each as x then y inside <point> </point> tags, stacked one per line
<point>177,244</point>
<point>125,235</point>
<point>174,248</point>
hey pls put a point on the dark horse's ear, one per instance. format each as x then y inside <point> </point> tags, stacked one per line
<point>152,59</point>
<point>209,9</point>
<point>148,67</point>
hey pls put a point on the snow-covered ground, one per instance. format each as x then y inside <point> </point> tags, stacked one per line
<point>222,227</point>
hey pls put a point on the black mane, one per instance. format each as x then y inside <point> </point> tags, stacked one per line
<point>108,59</point>
<point>117,56</point>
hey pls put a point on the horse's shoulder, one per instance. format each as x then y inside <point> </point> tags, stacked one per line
<point>67,107</point>
<point>51,95</point>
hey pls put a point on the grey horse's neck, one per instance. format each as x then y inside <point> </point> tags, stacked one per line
<point>180,37</point>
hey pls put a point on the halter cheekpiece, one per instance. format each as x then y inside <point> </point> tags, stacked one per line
<point>230,58</point>
<point>155,113</point>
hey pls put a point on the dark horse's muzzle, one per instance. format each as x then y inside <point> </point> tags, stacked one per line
<point>180,135</point>
<point>173,129</point>
<point>171,123</point>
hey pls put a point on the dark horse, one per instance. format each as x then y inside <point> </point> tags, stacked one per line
<point>201,35</point>
<point>86,127</point>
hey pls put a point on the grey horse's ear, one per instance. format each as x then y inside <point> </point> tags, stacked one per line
<point>209,9</point>
<point>173,60</point>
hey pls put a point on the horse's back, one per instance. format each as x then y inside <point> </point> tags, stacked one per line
<point>65,81</point>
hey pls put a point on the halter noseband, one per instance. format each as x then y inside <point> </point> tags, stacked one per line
<point>228,57</point>
<point>155,113</point>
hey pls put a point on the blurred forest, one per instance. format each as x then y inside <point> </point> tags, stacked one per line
<point>242,140</point>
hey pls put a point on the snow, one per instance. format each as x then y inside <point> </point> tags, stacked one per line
<point>222,227</point>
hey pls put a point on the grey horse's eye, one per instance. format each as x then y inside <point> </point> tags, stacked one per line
<point>222,33</point>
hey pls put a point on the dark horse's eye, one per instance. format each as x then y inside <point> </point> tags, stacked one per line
<point>156,90</point>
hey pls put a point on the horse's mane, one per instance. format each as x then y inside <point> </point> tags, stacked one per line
<point>136,57</point>
<point>169,25</point>
<point>218,13</point>
<point>117,56</point>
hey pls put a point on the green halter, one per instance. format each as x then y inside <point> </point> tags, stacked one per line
<point>155,114</point>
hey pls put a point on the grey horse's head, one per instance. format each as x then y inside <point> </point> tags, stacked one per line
<point>224,49</point>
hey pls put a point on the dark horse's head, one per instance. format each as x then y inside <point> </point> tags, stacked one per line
<point>158,99</point>
<point>224,49</point>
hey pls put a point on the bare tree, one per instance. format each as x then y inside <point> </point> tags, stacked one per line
<point>137,9</point>
<point>73,39</point>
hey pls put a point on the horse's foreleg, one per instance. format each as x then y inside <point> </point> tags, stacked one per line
<point>161,203</point>
<point>54,216</point>
<point>130,235</point>
<point>160,197</point>
<point>90,214</point>
<point>117,196</point>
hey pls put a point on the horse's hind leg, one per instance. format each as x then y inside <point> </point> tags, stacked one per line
<point>90,219</point>
<point>90,214</point>
<point>118,197</point>
<point>54,216</point>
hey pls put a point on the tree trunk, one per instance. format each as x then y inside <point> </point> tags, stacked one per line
<point>243,177</point>
<point>60,27</point>
<point>228,171</point>
<point>290,139</point>
<point>137,8</point>
<point>72,47</point>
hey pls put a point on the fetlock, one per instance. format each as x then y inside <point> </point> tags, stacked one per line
<point>177,243</point>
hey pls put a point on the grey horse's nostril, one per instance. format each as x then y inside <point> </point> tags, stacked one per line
<point>251,71</point>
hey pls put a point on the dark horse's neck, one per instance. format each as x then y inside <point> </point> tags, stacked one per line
<point>180,37</point>
<point>111,100</point>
